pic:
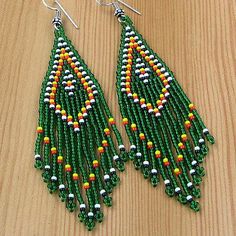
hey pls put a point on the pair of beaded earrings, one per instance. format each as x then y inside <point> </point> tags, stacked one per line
<point>76,145</point>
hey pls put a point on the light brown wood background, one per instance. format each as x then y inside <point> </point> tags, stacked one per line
<point>197,40</point>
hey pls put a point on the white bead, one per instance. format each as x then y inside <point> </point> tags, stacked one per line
<point>138,154</point>
<point>106,177</point>
<point>121,146</point>
<point>146,163</point>
<point>47,167</point>
<point>190,184</point>
<point>154,171</point>
<point>132,147</point>
<point>90,214</point>
<point>52,106</point>
<point>64,118</point>
<point>112,170</point>
<point>70,123</point>
<point>177,189</point>
<point>194,163</point>
<point>166,181</point>
<point>158,114</point>
<point>151,57</point>
<point>81,121</point>
<point>150,111</point>
<point>205,131</point>
<point>197,148</point>
<point>166,74</point>
<point>143,106</point>
<point>115,157</point>
<point>160,107</point>
<point>169,79</point>
<point>189,197</point>
<point>201,141</point>
<point>54,178</point>
<point>37,156</point>
<point>97,206</point>
<point>71,93</point>
<point>136,100</point>
<point>76,130</point>
<point>102,191</point>
<point>61,186</point>
<point>82,206</point>
<point>192,171</point>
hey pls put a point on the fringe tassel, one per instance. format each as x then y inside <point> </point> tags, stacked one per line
<point>74,147</point>
<point>167,135</point>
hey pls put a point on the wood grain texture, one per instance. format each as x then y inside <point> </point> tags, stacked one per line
<point>196,39</point>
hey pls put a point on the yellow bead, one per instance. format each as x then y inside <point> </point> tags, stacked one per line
<point>191,105</point>
<point>142,100</point>
<point>91,175</point>
<point>161,76</point>
<point>60,158</point>
<point>162,96</point>
<point>157,152</point>
<point>75,175</point>
<point>180,144</point>
<point>176,170</point>
<point>165,160</point>
<point>53,149</point>
<point>111,119</point>
<point>133,125</point>
<point>83,109</point>
<point>86,184</point>
<point>67,166</point>
<point>63,112</point>
<point>95,162</point>
<point>164,90</point>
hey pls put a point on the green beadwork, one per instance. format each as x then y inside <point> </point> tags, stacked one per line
<point>167,135</point>
<point>75,147</point>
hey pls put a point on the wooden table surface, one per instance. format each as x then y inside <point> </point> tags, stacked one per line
<point>197,41</point>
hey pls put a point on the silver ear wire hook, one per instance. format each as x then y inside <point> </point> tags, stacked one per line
<point>115,4</point>
<point>58,9</point>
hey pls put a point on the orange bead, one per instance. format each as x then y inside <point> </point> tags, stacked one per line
<point>39,130</point>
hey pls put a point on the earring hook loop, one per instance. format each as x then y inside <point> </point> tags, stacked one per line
<point>48,6</point>
<point>60,8</point>
<point>116,3</point>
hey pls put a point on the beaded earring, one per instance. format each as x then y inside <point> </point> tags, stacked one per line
<point>74,146</point>
<point>167,135</point>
